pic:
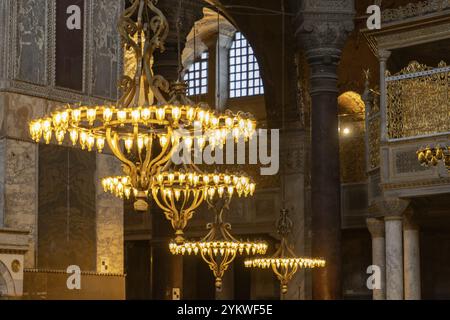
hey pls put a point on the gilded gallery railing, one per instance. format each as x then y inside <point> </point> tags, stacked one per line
<point>418,101</point>
<point>371,99</point>
<point>373,126</point>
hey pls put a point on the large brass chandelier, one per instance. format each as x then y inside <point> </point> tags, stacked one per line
<point>431,156</point>
<point>284,262</point>
<point>148,123</point>
<point>218,248</point>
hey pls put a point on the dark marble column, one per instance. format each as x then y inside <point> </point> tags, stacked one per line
<point>168,269</point>
<point>323,27</point>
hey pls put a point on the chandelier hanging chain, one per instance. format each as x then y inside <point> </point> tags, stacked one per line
<point>179,24</point>
<point>283,101</point>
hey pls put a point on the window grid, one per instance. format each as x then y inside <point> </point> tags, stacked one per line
<point>245,78</point>
<point>197,76</point>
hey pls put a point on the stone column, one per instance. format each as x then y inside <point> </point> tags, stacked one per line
<point>394,259</point>
<point>393,209</point>
<point>376,229</point>
<point>411,250</point>
<point>322,32</point>
<point>383,56</point>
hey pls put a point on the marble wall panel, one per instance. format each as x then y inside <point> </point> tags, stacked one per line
<point>66,221</point>
<point>110,246</point>
<point>105,47</point>
<point>30,64</point>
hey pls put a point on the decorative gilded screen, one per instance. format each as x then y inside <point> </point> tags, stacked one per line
<point>418,101</point>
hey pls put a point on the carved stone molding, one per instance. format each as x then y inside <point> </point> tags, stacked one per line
<point>393,208</point>
<point>376,227</point>
<point>415,9</point>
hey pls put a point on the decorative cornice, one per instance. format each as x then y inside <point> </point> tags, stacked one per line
<point>416,184</point>
<point>83,273</point>
<point>412,10</point>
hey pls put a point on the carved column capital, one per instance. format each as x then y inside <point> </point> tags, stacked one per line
<point>323,26</point>
<point>322,29</point>
<point>393,208</point>
<point>376,227</point>
<point>383,55</point>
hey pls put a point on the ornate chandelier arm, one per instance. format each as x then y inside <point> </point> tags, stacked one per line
<point>148,152</point>
<point>113,142</point>
<point>227,260</point>
<point>163,156</point>
<point>139,54</point>
<point>198,199</point>
<point>160,29</point>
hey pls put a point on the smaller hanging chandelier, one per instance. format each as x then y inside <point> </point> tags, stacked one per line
<point>218,248</point>
<point>284,262</point>
<point>432,156</point>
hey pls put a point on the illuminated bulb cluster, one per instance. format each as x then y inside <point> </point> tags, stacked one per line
<point>431,156</point>
<point>119,186</point>
<point>87,126</point>
<point>177,184</point>
<point>172,184</point>
<point>284,263</point>
<point>218,248</point>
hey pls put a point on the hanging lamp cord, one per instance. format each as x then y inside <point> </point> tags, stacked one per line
<point>179,25</point>
<point>283,100</point>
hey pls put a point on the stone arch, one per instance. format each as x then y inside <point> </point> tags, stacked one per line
<point>7,287</point>
<point>265,37</point>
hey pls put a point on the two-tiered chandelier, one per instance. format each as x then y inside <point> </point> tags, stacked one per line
<point>144,128</point>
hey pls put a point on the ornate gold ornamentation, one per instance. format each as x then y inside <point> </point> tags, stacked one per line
<point>374,142</point>
<point>418,101</point>
<point>432,156</point>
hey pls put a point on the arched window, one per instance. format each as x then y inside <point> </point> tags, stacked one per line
<point>245,79</point>
<point>197,76</point>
